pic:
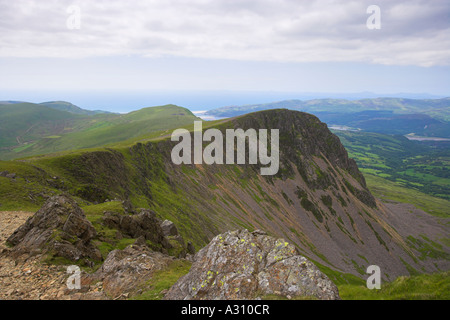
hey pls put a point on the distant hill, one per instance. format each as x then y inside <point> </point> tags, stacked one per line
<point>387,122</point>
<point>28,129</point>
<point>436,108</point>
<point>11,102</point>
<point>60,105</point>
<point>69,107</point>
<point>24,122</point>
<point>427,117</point>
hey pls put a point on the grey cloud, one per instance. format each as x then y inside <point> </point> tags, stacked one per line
<point>413,32</point>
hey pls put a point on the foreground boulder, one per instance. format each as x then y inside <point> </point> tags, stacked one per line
<point>125,272</point>
<point>242,265</point>
<point>59,228</point>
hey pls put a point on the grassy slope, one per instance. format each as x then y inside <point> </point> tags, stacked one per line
<point>163,280</point>
<point>388,190</point>
<point>422,287</point>
<point>122,127</point>
<point>27,122</point>
<point>95,131</point>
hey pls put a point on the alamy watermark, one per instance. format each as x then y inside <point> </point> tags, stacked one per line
<point>73,22</point>
<point>74,281</point>
<point>235,140</point>
<point>374,281</point>
<point>374,21</point>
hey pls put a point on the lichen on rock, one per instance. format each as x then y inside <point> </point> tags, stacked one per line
<point>242,265</point>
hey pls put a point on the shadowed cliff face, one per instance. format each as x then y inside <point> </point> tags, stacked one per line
<point>318,201</point>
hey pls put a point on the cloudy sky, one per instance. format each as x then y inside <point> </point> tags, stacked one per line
<point>222,45</point>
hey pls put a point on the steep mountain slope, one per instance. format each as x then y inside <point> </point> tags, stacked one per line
<point>318,201</point>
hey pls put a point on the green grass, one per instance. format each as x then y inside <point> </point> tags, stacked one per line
<point>25,122</point>
<point>29,129</point>
<point>420,287</point>
<point>388,190</point>
<point>94,212</point>
<point>339,278</point>
<point>25,192</point>
<point>163,280</point>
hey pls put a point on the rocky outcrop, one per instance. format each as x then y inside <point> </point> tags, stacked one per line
<point>125,271</point>
<point>159,235</point>
<point>6,174</point>
<point>245,265</point>
<point>144,224</point>
<point>59,228</point>
<point>169,228</point>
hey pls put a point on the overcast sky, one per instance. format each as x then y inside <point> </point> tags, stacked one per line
<point>257,45</point>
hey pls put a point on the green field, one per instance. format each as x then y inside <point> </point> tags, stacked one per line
<point>410,164</point>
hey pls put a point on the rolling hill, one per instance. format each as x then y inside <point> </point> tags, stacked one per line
<point>69,107</point>
<point>30,129</point>
<point>25,122</point>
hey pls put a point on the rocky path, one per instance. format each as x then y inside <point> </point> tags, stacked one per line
<point>31,279</point>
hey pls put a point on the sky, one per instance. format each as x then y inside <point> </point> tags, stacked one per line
<point>124,55</point>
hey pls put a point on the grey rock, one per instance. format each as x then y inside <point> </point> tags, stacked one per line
<point>190,248</point>
<point>169,228</point>
<point>126,271</point>
<point>60,227</point>
<point>162,236</point>
<point>144,224</point>
<point>128,206</point>
<point>243,265</point>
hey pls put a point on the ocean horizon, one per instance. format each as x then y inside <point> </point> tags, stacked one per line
<point>126,101</point>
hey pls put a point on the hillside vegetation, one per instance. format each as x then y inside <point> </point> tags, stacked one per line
<point>422,287</point>
<point>29,129</point>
